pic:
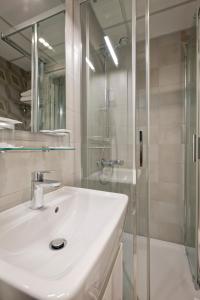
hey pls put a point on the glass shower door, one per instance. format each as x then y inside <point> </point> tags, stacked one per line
<point>191,152</point>
<point>108,111</point>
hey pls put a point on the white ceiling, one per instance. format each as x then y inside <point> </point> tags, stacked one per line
<point>15,12</point>
<point>156,5</point>
<point>109,13</point>
<point>167,16</point>
<point>166,21</point>
<point>113,16</point>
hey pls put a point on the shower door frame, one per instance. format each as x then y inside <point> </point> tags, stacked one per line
<point>145,147</point>
<point>147,53</point>
<point>197,279</point>
<point>195,269</point>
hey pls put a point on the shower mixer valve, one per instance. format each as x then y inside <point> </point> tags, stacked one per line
<point>110,163</point>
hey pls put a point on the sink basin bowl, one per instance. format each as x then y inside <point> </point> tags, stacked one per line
<point>90,221</point>
<point>115,175</point>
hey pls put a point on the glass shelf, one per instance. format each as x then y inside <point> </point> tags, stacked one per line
<point>37,149</point>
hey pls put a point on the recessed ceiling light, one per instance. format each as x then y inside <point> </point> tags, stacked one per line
<point>90,64</point>
<point>111,50</point>
<point>45,43</point>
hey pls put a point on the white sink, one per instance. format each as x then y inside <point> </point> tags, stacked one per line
<point>115,175</point>
<point>91,222</point>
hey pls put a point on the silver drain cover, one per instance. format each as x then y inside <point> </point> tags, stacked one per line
<point>57,244</point>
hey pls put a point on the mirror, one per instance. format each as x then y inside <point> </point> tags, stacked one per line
<point>31,94</point>
<point>15,80</point>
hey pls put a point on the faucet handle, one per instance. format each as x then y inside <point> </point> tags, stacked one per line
<point>39,175</point>
<point>45,171</point>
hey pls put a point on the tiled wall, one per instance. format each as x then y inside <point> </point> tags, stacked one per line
<point>16,168</point>
<point>166,138</point>
<point>121,107</point>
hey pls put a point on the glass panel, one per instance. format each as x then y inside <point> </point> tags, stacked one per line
<point>142,153</point>
<point>190,166</point>
<point>107,110</point>
<point>52,73</point>
<point>172,85</point>
<point>36,149</point>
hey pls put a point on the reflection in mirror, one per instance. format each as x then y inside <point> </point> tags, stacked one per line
<point>34,97</point>
<point>51,44</point>
<point>15,80</point>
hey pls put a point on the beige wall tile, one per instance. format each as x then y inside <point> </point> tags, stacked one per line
<point>171,74</point>
<point>171,108</point>
<point>154,134</point>
<point>166,231</point>
<point>167,212</point>
<point>154,79</point>
<point>15,178</point>
<point>170,134</point>
<point>171,172</point>
<point>171,153</point>
<point>170,54</point>
<point>170,192</point>
<point>154,172</point>
<point>166,139</point>
<point>154,153</point>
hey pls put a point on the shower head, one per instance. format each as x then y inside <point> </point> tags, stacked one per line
<point>123,41</point>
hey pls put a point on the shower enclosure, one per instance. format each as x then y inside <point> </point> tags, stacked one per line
<point>173,146</point>
<point>108,111</point>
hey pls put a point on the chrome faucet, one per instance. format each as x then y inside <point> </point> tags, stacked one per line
<point>37,188</point>
<point>110,163</point>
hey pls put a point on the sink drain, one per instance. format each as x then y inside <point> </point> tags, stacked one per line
<point>57,244</point>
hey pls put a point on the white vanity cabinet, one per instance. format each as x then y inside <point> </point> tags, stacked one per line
<point>114,289</point>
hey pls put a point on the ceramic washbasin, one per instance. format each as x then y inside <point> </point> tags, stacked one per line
<point>90,221</point>
<point>115,175</point>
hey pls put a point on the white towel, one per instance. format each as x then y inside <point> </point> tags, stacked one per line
<point>27,93</point>
<point>26,99</point>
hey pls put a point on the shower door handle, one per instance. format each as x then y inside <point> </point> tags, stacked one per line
<point>141,148</point>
